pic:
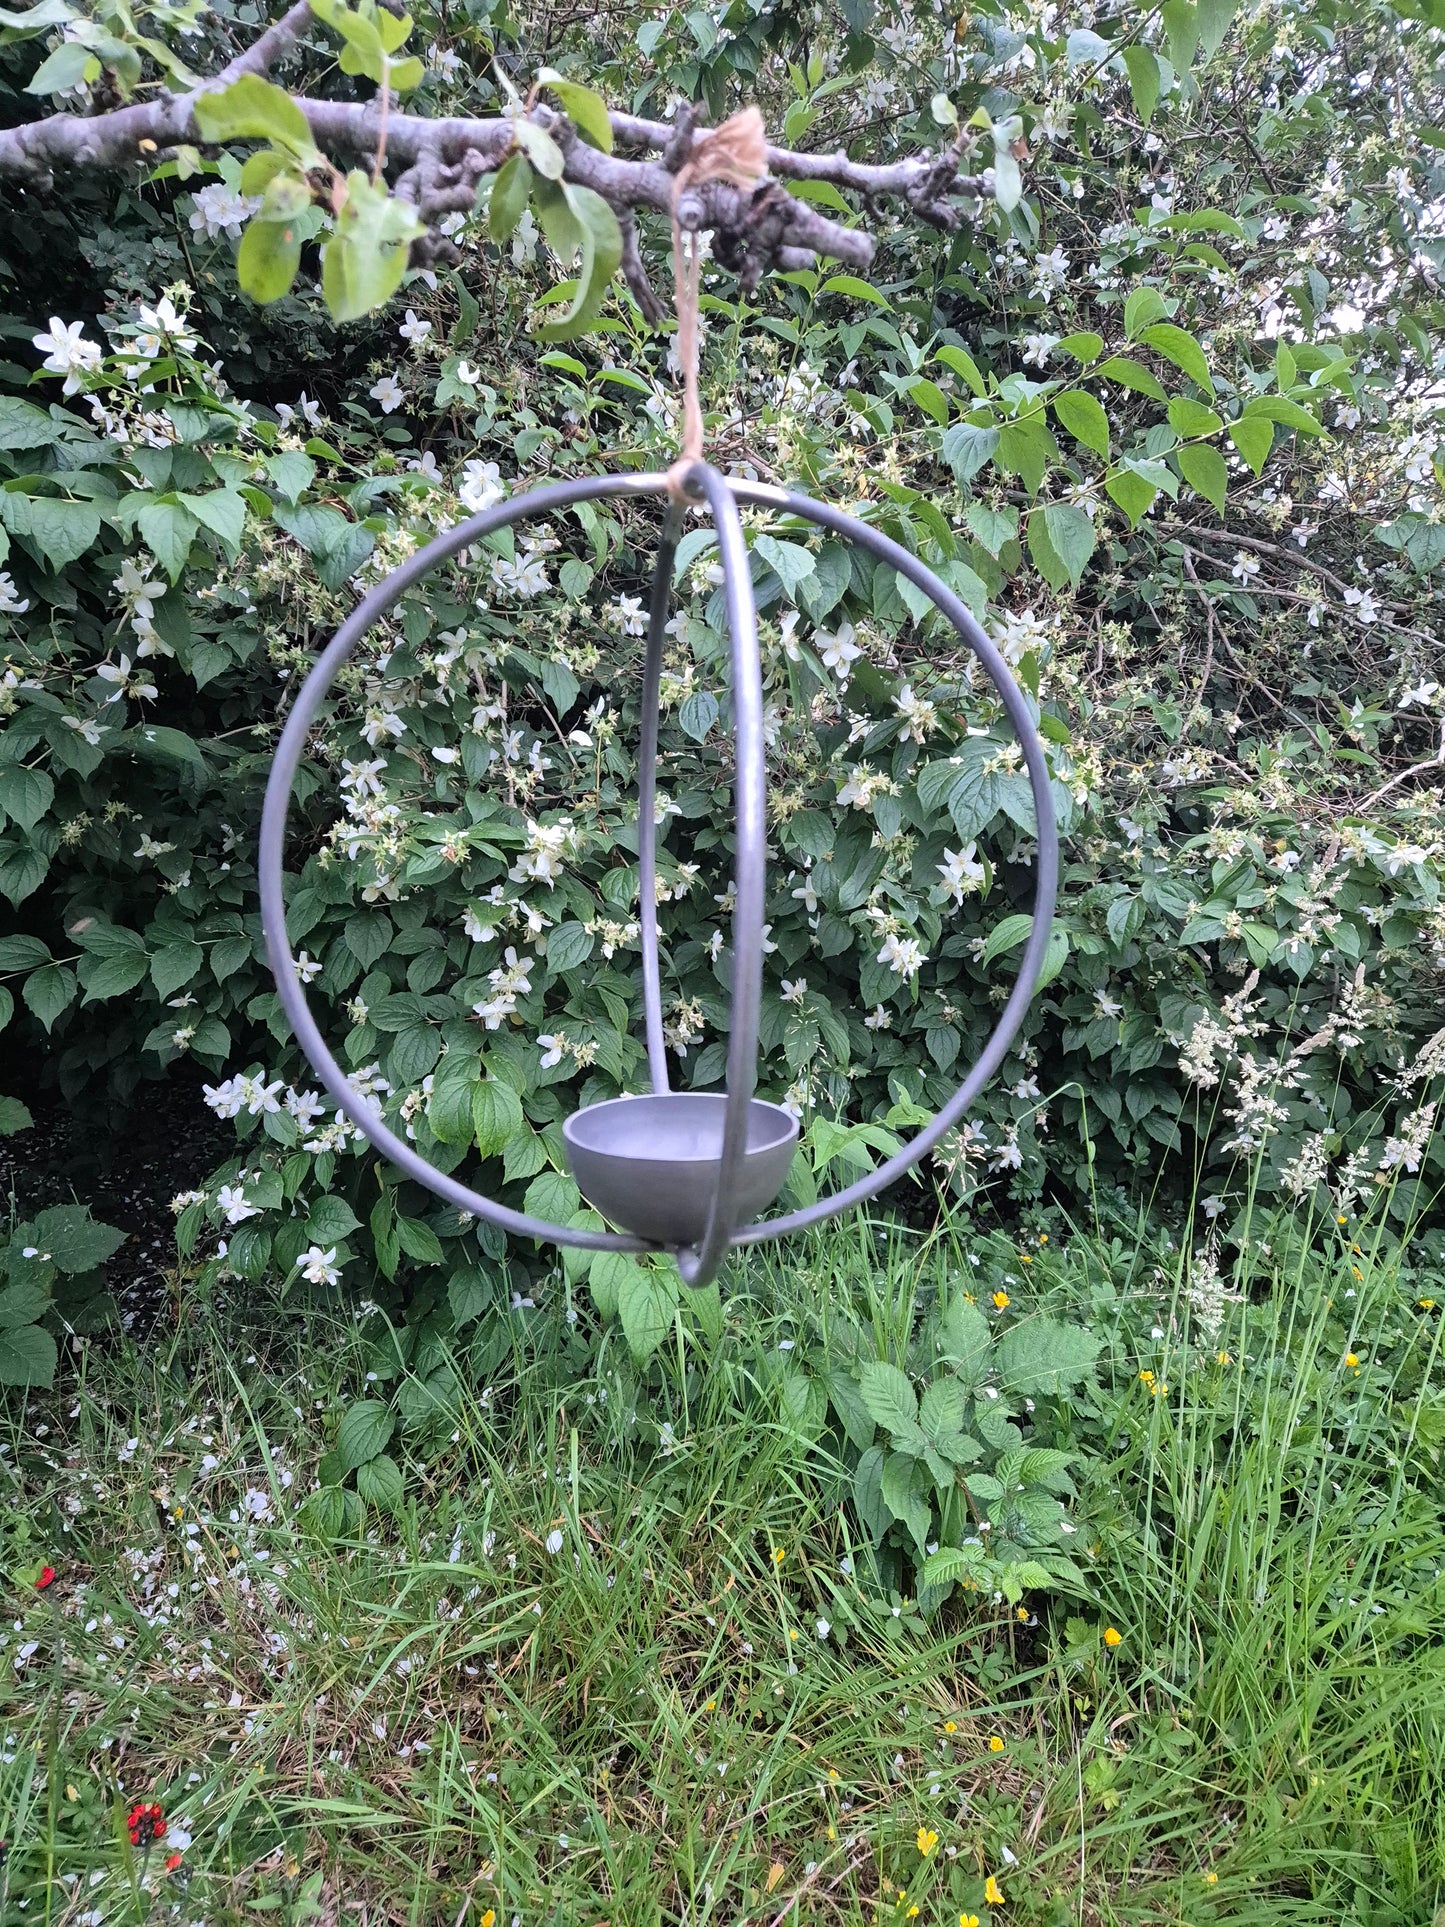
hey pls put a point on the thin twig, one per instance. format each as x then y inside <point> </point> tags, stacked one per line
<point>1437,761</point>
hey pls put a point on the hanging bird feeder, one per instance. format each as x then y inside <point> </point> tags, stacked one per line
<point>687,1172</point>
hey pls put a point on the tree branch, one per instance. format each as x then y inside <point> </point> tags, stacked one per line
<point>444,160</point>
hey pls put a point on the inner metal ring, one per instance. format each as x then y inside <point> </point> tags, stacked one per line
<point>721,494</point>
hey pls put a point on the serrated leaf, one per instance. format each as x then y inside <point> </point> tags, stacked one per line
<point>940,1410</point>
<point>25,794</point>
<point>646,1302</point>
<point>1041,1355</point>
<point>330,1220</point>
<point>14,1117</point>
<point>788,560</point>
<point>889,1398</point>
<point>950,1564</point>
<point>873,1511</point>
<point>903,1500</point>
<point>496,1115</point>
<point>365,1430</point>
<point>380,1483</point>
<point>27,1356</point>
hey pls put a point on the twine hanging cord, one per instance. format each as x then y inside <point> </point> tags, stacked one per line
<point>737,152</point>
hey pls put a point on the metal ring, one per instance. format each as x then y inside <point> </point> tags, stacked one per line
<point>750,853</point>
<point>1046,867</point>
<point>289,751</point>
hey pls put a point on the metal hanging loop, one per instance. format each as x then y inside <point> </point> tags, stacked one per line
<point>688,1170</point>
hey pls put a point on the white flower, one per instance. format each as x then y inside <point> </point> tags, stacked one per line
<point>256,1504</point>
<point>119,674</point>
<point>308,410</point>
<point>1364,605</point>
<point>526,577</point>
<point>389,392</point>
<point>304,1106</point>
<point>626,613</point>
<point>162,329</point>
<point>918,713</point>
<point>903,954</point>
<point>319,1267</point>
<point>232,1200</point>
<point>413,330</point>
<point>216,210</point>
<point>879,1018</point>
<point>554,1540</point>
<point>67,352</point>
<point>524,241</point>
<point>961,871</point>
<point>1038,348</point>
<point>1302,531</point>
<point>466,374</point>
<point>1107,1006</point>
<point>226,1100</point>
<point>11,603</point>
<point>553,1049</point>
<point>794,993</point>
<point>1420,692</point>
<point>840,652</point>
<point>823,1629</point>
<point>1245,566</point>
<point>482,488</point>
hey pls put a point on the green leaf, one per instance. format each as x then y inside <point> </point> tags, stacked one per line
<point>1041,1355</point>
<point>366,1427</point>
<point>1181,25</point>
<point>601,257</point>
<point>379,1482</point>
<point>1204,470</point>
<point>1143,71</point>
<point>22,953</point>
<point>1143,306</point>
<point>1288,414</point>
<point>365,256</point>
<point>1190,418</point>
<point>950,1564</point>
<point>992,527</point>
<point>107,977</point>
<point>540,148</point>
<point>62,530</point>
<point>1084,346</point>
<point>966,447</point>
<point>889,1398</point>
<point>70,64</point>
<point>27,1356</point>
<point>1180,347</point>
<point>25,794</point>
<point>73,1241</point>
<point>496,1115</point>
<point>698,714</point>
<point>470,1293</point>
<point>330,1220</point>
<point>253,109</point>
<point>569,946</point>
<point>23,425</point>
<point>1061,540</point>
<point>419,1241</point>
<point>929,397</point>
<point>790,562</point>
<point>1129,374</point>
<point>873,1512</point>
<point>1253,436</point>
<point>1084,419</point>
<point>175,964</point>
<point>585,108</point>
<point>223,512</point>
<point>1133,494</point>
<point>1215,17</point>
<point>552,1195</point>
<point>14,1117</point>
<point>49,991</point>
<point>22,1303</point>
<point>267,259</point>
<point>941,1408</point>
<point>169,530</point>
<point>510,192</point>
<point>855,289</point>
<point>646,1301</point>
<point>965,1339</point>
<point>903,1499</point>
<point>963,364</point>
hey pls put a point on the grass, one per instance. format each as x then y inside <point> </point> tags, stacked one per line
<point>579,1678</point>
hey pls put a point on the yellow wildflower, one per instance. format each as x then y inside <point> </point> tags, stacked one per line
<point>1146,1378</point>
<point>1211,1877</point>
<point>927,1841</point>
<point>1427,1304</point>
<point>995,1743</point>
<point>779,1556</point>
<point>913,1913</point>
<point>950,1726</point>
<point>1112,1636</point>
<point>1024,1258</point>
<point>992,1892</point>
<point>1352,1359</point>
<point>1221,1358</point>
<point>968,1920</point>
<point>1043,1237</point>
<point>1001,1300</point>
<point>489,1918</point>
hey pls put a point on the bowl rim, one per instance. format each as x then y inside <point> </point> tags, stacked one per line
<point>774,1142</point>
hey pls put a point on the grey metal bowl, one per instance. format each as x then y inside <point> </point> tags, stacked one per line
<point>651,1163</point>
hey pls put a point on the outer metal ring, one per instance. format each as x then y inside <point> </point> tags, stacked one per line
<point>721,495</point>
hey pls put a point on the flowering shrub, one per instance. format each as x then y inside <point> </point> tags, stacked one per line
<point>1190,483</point>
